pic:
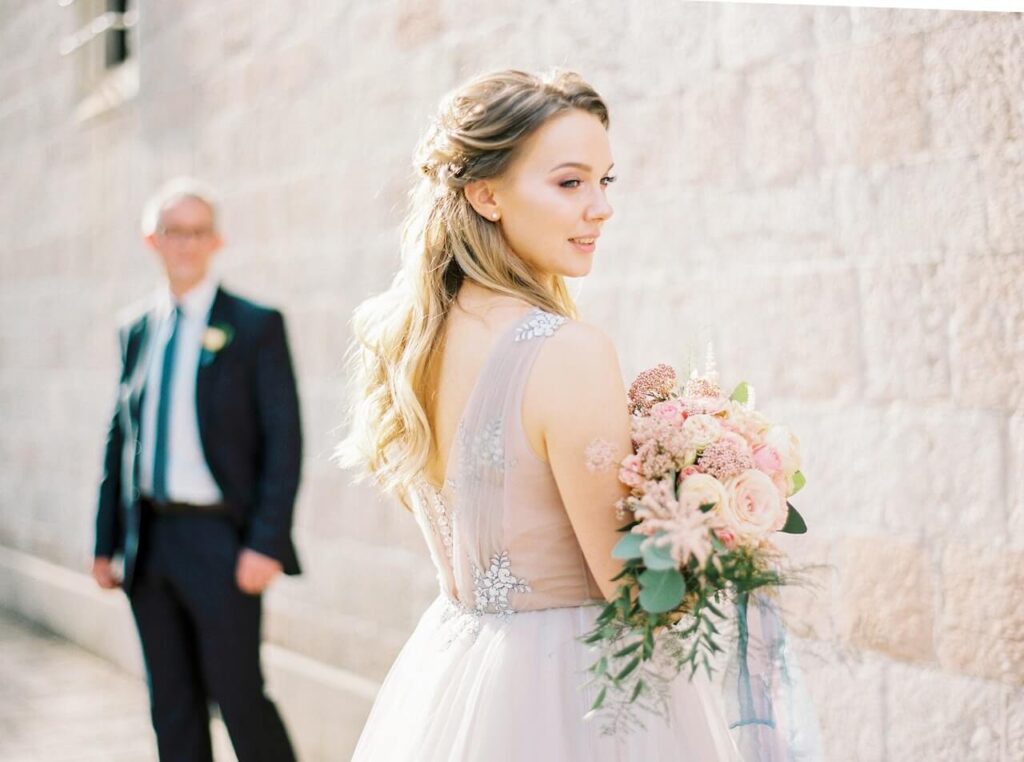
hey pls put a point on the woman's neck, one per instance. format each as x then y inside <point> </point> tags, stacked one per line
<point>478,299</point>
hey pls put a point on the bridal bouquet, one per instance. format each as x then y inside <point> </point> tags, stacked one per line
<point>709,484</point>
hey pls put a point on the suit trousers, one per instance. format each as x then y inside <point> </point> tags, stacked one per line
<point>200,639</point>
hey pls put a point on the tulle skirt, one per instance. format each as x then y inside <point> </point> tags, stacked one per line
<point>500,688</point>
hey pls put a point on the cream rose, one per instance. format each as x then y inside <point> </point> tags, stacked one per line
<point>755,506</point>
<point>702,429</point>
<point>702,489</point>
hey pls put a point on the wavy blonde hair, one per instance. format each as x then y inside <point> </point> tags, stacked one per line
<point>474,136</point>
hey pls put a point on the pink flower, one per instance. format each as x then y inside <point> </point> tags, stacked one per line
<point>670,410</point>
<point>702,429</point>
<point>767,459</point>
<point>630,471</point>
<point>755,506</point>
<point>650,387</point>
<point>727,457</point>
<point>726,536</point>
<point>787,445</point>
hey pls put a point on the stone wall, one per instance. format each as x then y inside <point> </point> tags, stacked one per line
<point>834,196</point>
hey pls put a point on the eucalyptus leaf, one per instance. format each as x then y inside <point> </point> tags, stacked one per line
<point>661,590</point>
<point>658,557</point>
<point>628,547</point>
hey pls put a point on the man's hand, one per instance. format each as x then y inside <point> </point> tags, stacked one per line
<point>103,573</point>
<point>254,571</point>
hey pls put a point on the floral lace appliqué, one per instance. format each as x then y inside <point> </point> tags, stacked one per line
<point>459,621</point>
<point>482,453</point>
<point>490,444</point>
<point>493,585</point>
<point>540,323</point>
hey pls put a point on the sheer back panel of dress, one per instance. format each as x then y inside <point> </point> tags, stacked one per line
<point>497,530</point>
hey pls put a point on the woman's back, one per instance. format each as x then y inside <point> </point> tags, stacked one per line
<point>490,508</point>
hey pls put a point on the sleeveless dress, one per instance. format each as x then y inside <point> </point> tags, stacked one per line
<point>494,670</point>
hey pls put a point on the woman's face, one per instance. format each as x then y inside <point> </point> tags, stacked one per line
<point>552,200</point>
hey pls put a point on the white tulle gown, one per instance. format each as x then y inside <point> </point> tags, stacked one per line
<point>494,669</point>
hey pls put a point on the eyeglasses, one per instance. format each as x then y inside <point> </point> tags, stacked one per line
<point>181,235</point>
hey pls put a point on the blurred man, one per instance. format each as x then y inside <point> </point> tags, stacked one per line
<point>201,471</point>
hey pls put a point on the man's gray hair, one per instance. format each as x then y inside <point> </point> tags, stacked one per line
<point>171,193</point>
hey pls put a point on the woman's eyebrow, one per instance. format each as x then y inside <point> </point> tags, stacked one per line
<point>578,165</point>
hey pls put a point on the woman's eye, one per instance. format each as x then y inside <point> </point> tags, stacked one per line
<point>606,181</point>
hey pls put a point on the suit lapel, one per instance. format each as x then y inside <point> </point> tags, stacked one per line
<point>144,337</point>
<point>208,370</point>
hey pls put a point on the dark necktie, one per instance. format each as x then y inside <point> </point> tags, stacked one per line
<point>163,411</point>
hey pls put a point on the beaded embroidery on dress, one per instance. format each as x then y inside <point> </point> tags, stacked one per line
<point>495,669</point>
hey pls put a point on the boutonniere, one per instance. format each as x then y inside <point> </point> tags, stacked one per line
<point>215,338</point>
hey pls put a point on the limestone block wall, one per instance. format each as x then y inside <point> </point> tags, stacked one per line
<point>834,196</point>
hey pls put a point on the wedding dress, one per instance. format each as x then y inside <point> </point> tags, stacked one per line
<point>495,669</point>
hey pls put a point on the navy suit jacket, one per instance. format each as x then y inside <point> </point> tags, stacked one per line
<point>248,412</point>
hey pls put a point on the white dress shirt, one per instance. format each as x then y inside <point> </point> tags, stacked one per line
<point>188,476</point>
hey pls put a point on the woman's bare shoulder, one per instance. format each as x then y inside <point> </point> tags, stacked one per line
<point>578,363</point>
<point>577,349</point>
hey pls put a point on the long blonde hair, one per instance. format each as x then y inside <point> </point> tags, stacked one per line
<point>474,136</point>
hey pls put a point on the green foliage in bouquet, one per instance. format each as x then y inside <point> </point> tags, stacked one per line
<point>667,620</point>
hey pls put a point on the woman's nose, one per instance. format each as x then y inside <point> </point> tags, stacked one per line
<point>600,210</point>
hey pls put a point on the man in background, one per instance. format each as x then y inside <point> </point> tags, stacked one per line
<point>202,467</point>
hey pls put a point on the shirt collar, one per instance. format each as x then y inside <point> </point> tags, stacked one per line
<point>196,302</point>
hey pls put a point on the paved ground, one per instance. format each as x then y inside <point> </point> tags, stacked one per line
<point>59,703</point>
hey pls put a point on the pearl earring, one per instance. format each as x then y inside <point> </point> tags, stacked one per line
<point>494,215</point>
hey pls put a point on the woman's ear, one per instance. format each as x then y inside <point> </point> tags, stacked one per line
<point>480,195</point>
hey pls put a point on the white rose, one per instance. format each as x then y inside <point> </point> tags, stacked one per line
<point>702,429</point>
<point>703,489</point>
<point>785,443</point>
<point>214,339</point>
<point>755,506</point>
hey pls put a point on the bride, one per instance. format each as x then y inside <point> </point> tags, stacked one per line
<point>477,394</point>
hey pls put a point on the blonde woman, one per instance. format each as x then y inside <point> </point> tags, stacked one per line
<point>477,394</point>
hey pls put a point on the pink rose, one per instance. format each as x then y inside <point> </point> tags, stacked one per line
<point>767,459</point>
<point>669,410</point>
<point>787,445</point>
<point>755,506</point>
<point>727,537</point>
<point>630,471</point>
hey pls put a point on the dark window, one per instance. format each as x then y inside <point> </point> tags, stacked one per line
<point>117,35</point>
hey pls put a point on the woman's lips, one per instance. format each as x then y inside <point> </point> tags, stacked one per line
<point>584,244</point>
